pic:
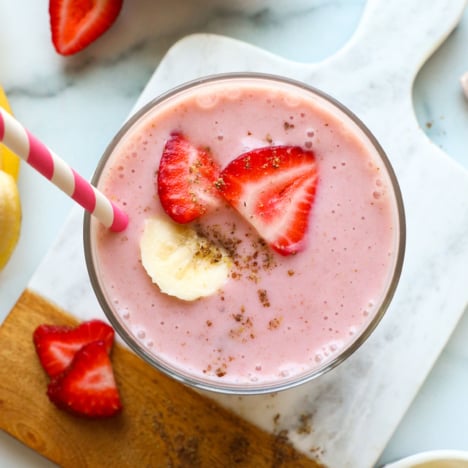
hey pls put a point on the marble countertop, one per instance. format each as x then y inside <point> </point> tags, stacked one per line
<point>76,104</point>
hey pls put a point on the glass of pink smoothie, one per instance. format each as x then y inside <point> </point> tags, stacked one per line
<point>278,320</point>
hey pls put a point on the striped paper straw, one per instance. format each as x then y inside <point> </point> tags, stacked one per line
<point>40,157</point>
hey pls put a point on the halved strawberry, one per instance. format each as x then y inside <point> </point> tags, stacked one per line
<point>274,189</point>
<point>56,346</point>
<point>76,23</point>
<point>186,179</point>
<point>87,387</point>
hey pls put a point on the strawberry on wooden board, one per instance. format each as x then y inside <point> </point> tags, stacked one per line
<point>77,23</point>
<point>186,179</point>
<point>57,345</point>
<point>273,188</point>
<point>87,386</point>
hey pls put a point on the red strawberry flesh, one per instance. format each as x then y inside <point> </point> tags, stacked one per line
<point>186,179</point>
<point>77,23</point>
<point>273,188</point>
<point>87,387</point>
<point>56,346</point>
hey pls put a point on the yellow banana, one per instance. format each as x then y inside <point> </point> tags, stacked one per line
<point>10,217</point>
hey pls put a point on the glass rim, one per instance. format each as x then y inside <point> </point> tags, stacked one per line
<point>248,388</point>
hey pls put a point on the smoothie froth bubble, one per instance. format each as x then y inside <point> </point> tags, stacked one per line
<point>278,320</point>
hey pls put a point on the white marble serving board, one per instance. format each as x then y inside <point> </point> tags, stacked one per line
<point>353,410</point>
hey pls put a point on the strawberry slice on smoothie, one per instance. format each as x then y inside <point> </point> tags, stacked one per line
<point>273,188</point>
<point>186,179</point>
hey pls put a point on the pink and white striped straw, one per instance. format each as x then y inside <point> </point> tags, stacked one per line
<point>40,157</point>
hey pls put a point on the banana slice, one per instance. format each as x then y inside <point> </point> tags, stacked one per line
<point>182,263</point>
<point>10,217</point>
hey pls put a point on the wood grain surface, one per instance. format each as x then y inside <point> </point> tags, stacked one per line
<point>163,422</point>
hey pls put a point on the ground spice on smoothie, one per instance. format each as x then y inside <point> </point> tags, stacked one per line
<point>263,297</point>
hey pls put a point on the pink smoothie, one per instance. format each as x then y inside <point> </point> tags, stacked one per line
<point>277,318</point>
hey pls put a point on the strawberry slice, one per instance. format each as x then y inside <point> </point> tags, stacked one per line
<point>77,23</point>
<point>87,387</point>
<point>56,346</point>
<point>273,188</point>
<point>186,179</point>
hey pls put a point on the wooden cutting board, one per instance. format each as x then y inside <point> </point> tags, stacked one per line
<point>163,422</point>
